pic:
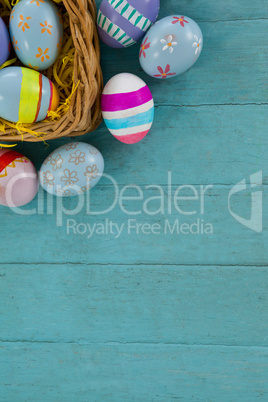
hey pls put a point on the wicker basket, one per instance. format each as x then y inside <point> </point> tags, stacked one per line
<point>84,114</point>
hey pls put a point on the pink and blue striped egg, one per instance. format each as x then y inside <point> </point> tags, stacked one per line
<point>127,108</point>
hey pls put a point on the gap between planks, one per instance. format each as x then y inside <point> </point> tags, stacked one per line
<point>212,104</point>
<point>115,265</point>
<point>117,343</point>
<point>232,20</point>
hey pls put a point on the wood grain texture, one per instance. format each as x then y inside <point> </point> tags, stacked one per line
<point>224,306</point>
<point>222,10</point>
<point>153,317</point>
<point>241,245</point>
<point>137,372</point>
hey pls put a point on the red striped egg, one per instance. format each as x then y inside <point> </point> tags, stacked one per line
<point>18,179</point>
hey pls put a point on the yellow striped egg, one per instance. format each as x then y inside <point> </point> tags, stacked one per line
<point>26,96</point>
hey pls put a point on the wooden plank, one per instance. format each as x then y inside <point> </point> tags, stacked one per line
<point>137,372</point>
<point>201,10</point>
<point>134,304</point>
<point>38,239</point>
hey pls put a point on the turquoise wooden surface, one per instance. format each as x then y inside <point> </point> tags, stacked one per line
<point>153,317</point>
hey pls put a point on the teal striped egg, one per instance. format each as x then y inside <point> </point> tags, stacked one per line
<point>122,23</point>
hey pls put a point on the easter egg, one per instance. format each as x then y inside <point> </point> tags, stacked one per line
<point>71,170</point>
<point>4,42</point>
<point>122,23</point>
<point>18,179</point>
<point>26,96</point>
<point>36,32</point>
<point>127,107</point>
<point>171,47</point>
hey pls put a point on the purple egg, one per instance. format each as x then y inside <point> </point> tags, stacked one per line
<point>4,42</point>
<point>122,23</point>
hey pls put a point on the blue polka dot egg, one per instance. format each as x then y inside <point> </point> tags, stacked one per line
<point>171,47</point>
<point>36,32</point>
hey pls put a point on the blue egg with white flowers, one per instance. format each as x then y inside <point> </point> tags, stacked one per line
<point>71,170</point>
<point>171,47</point>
